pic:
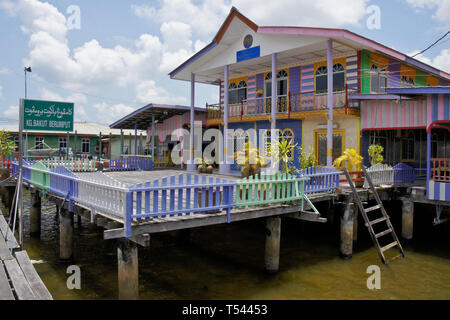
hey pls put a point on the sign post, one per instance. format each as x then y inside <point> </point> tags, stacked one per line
<point>39,115</point>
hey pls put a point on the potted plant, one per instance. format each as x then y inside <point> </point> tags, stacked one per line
<point>250,161</point>
<point>7,148</point>
<point>205,166</point>
<point>281,153</point>
<point>352,161</point>
<point>376,154</point>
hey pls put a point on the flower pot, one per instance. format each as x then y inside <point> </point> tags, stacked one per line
<point>210,169</point>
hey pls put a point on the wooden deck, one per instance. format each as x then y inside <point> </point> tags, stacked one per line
<point>18,277</point>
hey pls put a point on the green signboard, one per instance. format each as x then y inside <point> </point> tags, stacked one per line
<point>48,115</point>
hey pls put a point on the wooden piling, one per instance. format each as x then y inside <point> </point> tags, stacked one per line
<point>128,270</point>
<point>65,234</point>
<point>35,214</point>
<point>355,222</point>
<point>407,218</point>
<point>347,229</point>
<point>272,252</point>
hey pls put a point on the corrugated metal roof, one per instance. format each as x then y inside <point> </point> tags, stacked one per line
<point>82,128</point>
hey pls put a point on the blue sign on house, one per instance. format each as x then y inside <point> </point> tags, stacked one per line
<point>248,54</point>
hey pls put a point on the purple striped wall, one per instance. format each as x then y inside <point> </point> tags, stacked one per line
<point>260,81</point>
<point>438,108</point>
<point>294,79</point>
<point>352,71</point>
<point>394,74</point>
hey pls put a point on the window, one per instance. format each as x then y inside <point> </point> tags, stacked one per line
<point>240,139</point>
<point>411,82</point>
<point>321,79</point>
<point>282,83</point>
<point>408,148</point>
<point>39,143</point>
<point>338,77</point>
<point>434,145</point>
<point>321,146</point>
<point>288,135</point>
<point>378,79</point>
<point>407,82</point>
<point>62,143</point>
<point>237,93</point>
<point>85,146</point>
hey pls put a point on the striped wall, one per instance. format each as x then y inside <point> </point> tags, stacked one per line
<point>438,191</point>
<point>294,79</point>
<point>165,129</point>
<point>307,83</point>
<point>352,72</point>
<point>438,108</point>
<point>390,114</point>
<point>251,94</point>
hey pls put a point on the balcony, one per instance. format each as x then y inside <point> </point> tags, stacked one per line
<point>286,104</point>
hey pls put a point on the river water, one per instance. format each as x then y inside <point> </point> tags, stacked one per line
<point>226,262</point>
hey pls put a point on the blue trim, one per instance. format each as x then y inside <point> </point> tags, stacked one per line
<point>419,90</point>
<point>422,65</point>
<point>435,108</point>
<point>446,107</point>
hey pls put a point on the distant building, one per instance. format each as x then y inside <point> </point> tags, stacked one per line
<point>86,136</point>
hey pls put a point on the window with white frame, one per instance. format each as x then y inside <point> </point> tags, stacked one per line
<point>338,77</point>
<point>39,143</point>
<point>85,145</point>
<point>288,135</point>
<point>62,142</point>
<point>321,79</point>
<point>282,83</point>
<point>407,82</point>
<point>237,93</point>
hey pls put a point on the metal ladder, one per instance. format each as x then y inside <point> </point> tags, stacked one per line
<point>370,223</point>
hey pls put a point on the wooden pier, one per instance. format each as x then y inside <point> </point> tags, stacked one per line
<point>18,277</point>
<point>131,210</point>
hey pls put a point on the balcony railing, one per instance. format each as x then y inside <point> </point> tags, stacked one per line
<point>440,169</point>
<point>286,104</point>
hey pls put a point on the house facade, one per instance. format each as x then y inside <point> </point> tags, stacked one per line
<point>279,78</point>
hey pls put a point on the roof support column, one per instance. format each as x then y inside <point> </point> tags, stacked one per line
<point>330,103</point>
<point>191,163</point>
<point>224,166</point>
<point>121,143</point>
<point>274,91</point>
<point>153,138</point>
<point>135,143</point>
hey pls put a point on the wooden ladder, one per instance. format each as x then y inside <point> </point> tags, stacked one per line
<point>370,223</point>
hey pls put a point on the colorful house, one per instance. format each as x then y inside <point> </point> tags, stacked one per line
<point>310,106</point>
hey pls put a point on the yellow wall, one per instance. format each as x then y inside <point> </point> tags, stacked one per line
<point>349,125</point>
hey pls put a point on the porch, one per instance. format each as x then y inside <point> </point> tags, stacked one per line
<point>286,104</point>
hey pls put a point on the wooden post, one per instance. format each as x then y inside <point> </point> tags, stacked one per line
<point>100,147</point>
<point>273,235</point>
<point>35,214</point>
<point>128,270</point>
<point>347,230</point>
<point>355,222</point>
<point>407,218</point>
<point>65,234</point>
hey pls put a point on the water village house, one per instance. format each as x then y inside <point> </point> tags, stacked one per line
<point>330,90</point>
<point>87,137</point>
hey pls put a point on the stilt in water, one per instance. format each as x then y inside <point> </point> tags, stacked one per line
<point>35,214</point>
<point>65,234</point>
<point>347,229</point>
<point>272,253</point>
<point>128,269</point>
<point>407,218</point>
<point>355,223</point>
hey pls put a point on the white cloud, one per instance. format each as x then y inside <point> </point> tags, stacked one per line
<point>149,92</point>
<point>111,112</point>
<point>205,17</point>
<point>80,101</point>
<point>441,61</point>
<point>4,71</point>
<point>441,7</point>
<point>12,112</point>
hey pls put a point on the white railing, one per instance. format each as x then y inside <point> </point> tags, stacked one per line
<point>381,174</point>
<point>74,165</point>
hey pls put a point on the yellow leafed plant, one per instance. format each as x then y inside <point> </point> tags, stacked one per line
<point>350,160</point>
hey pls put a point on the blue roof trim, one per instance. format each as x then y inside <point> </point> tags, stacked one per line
<point>192,59</point>
<point>419,90</point>
<point>423,66</point>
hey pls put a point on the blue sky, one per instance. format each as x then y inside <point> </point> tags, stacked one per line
<point>119,59</point>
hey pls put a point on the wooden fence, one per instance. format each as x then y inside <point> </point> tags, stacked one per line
<point>177,196</point>
<point>321,179</point>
